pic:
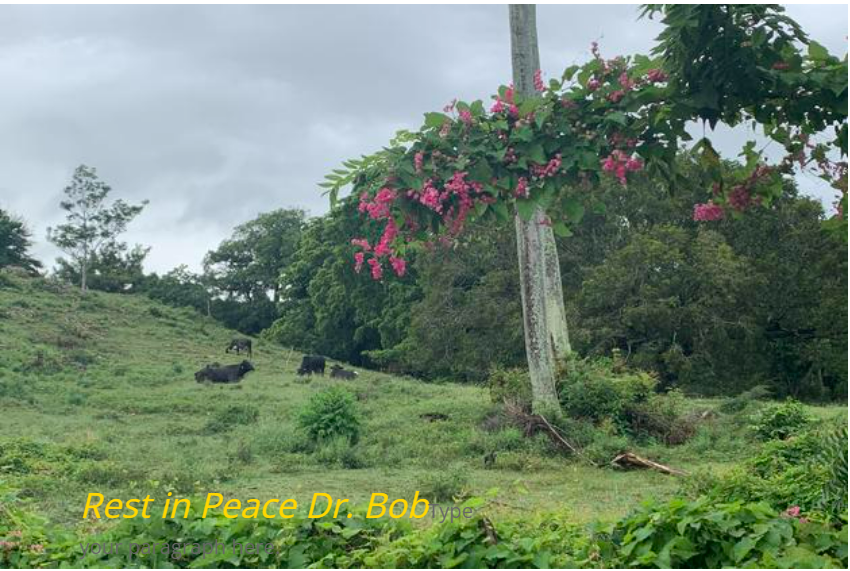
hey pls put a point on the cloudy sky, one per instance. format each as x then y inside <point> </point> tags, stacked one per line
<point>218,113</point>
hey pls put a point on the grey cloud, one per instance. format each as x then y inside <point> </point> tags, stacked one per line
<point>217,113</point>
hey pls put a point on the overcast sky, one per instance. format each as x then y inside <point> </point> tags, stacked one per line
<point>218,113</point>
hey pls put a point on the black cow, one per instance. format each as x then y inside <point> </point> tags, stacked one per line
<point>228,374</point>
<point>239,345</point>
<point>312,364</point>
<point>340,373</point>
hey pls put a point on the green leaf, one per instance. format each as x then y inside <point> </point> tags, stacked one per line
<point>434,120</point>
<point>574,210</point>
<point>537,154</point>
<point>525,208</point>
<point>817,52</point>
<point>561,229</point>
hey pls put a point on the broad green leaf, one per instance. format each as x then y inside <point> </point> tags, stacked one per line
<point>434,120</point>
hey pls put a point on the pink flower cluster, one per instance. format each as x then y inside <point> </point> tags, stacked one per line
<point>627,83</point>
<point>549,169</point>
<point>508,103</point>
<point>708,212</point>
<point>466,117</point>
<point>521,188</point>
<point>619,163</point>
<point>656,76</point>
<point>379,208</point>
<point>418,160</point>
<point>429,196</point>
<point>539,86</point>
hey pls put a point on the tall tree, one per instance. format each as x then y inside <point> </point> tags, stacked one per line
<point>248,264</point>
<point>543,313</point>
<point>114,268</point>
<point>15,243</point>
<point>91,223</point>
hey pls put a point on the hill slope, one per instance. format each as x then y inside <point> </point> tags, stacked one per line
<point>98,394</point>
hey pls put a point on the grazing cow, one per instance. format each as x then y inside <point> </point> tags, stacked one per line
<point>312,364</point>
<point>239,345</point>
<point>340,373</point>
<point>228,374</point>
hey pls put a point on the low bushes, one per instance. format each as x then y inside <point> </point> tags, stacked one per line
<point>331,413</point>
<point>806,472</point>
<point>698,534</point>
<point>781,420</point>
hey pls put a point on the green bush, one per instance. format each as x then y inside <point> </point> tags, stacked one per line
<point>331,413</point>
<point>661,417</point>
<point>510,385</point>
<point>592,390</point>
<point>708,535</point>
<point>779,421</point>
<point>807,471</point>
<point>446,485</point>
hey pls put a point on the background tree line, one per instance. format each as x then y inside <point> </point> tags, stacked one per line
<point>715,308</point>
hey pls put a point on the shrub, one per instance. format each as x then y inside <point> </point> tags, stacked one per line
<point>593,391</point>
<point>331,413</point>
<point>833,457</point>
<point>745,399</point>
<point>661,417</point>
<point>779,421</point>
<point>705,534</point>
<point>510,385</point>
<point>445,486</point>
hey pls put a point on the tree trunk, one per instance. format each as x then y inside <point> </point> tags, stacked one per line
<point>84,268</point>
<point>544,318</point>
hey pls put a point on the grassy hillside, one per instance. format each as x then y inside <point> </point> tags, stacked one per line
<point>97,394</point>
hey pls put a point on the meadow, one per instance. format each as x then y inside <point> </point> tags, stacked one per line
<point>98,395</point>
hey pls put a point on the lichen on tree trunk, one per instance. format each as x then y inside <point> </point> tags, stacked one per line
<point>544,317</point>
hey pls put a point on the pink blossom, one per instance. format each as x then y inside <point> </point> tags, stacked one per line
<point>549,169</point>
<point>593,84</point>
<point>450,107</point>
<point>361,243</point>
<point>418,158</point>
<point>538,81</point>
<point>521,188</point>
<point>466,117</point>
<point>740,198</point>
<point>390,233</point>
<point>627,83</point>
<point>619,163</point>
<point>656,76</point>
<point>615,96</point>
<point>358,261</point>
<point>513,110</point>
<point>399,266</point>
<point>708,212</point>
<point>430,197</point>
<point>498,106</point>
<point>793,511</point>
<point>377,270</point>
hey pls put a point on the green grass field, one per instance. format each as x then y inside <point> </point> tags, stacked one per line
<point>97,395</point>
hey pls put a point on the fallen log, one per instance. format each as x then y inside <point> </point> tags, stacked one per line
<point>632,460</point>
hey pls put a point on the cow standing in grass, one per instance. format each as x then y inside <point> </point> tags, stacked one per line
<point>240,345</point>
<point>312,364</point>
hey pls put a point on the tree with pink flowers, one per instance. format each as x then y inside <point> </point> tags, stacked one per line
<point>538,150</point>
